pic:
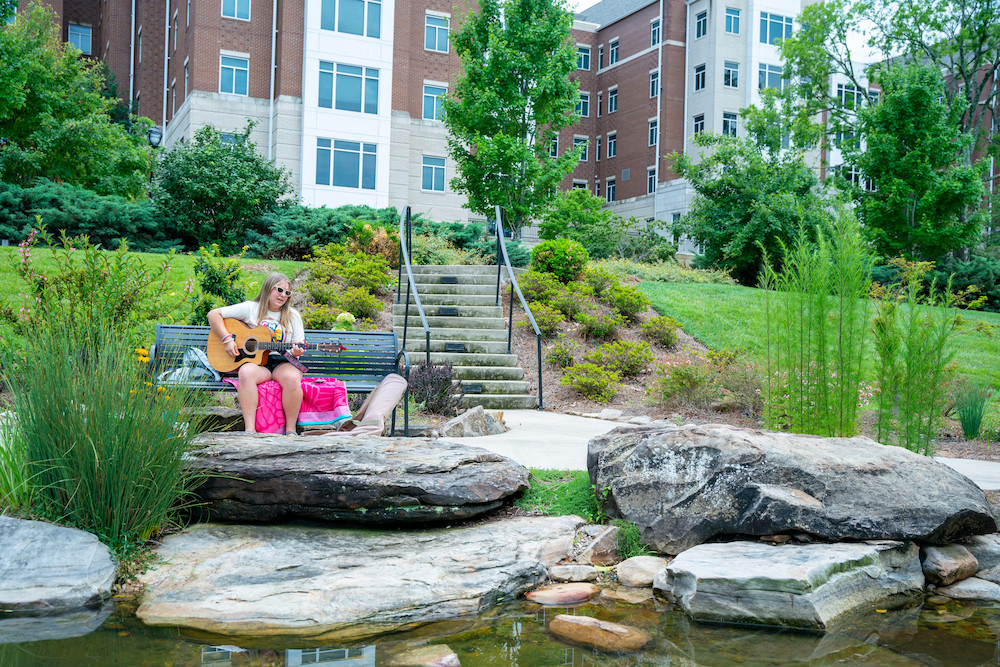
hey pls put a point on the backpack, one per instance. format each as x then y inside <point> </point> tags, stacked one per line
<point>370,417</point>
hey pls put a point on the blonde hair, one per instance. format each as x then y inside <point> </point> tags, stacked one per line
<point>285,314</point>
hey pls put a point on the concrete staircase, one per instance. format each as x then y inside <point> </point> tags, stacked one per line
<point>468,330</point>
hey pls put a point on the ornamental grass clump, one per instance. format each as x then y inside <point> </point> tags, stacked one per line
<point>970,406</point>
<point>596,383</point>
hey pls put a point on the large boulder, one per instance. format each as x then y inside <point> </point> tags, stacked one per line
<point>44,567</point>
<point>684,485</point>
<point>366,479</point>
<point>799,586</point>
<point>333,584</point>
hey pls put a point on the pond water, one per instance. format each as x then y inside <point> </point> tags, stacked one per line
<point>956,633</point>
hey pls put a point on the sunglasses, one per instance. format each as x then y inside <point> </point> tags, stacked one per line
<point>283,291</point>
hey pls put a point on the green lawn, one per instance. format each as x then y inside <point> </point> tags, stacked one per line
<point>721,316</point>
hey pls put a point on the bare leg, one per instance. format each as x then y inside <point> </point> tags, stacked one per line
<point>290,379</point>
<point>250,376</point>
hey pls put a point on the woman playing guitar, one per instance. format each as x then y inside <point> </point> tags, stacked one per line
<point>272,308</point>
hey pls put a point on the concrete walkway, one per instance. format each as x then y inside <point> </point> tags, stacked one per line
<point>554,440</point>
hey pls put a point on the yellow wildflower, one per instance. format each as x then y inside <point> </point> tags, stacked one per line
<point>131,391</point>
<point>148,384</point>
<point>141,351</point>
<point>161,389</point>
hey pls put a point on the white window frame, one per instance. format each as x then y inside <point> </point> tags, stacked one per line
<point>437,113</point>
<point>186,77</point>
<point>730,123</point>
<point>765,72</point>
<point>654,83</point>
<point>600,102</point>
<point>554,147</point>
<point>612,144</point>
<point>613,52</point>
<point>733,18</point>
<point>650,180</point>
<point>76,33</point>
<point>769,21</point>
<point>597,149</point>
<point>365,150</point>
<point>730,74</point>
<point>850,96</point>
<point>435,168</point>
<point>580,185</point>
<point>366,28</point>
<point>173,98</point>
<point>654,31</point>
<point>609,190</point>
<point>701,24</point>
<point>583,105</point>
<point>437,31</point>
<point>187,20</point>
<point>700,77</point>
<point>245,57</point>
<point>577,140</point>
<point>174,48</point>
<point>654,131</point>
<point>612,99</point>
<point>583,56</point>
<point>699,124</point>
<point>138,45</point>
<point>236,9</point>
<point>369,76</point>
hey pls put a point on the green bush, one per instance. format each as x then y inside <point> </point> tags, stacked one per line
<point>630,540</point>
<point>540,287</point>
<point>222,282</point>
<point>573,299</point>
<point>626,358</point>
<point>358,302</point>
<point>687,383</point>
<point>600,279</point>
<point>665,272</point>
<point>600,326</point>
<point>981,272</point>
<point>435,387</point>
<point>547,318</point>
<point>627,300</point>
<point>438,251</point>
<point>596,383</point>
<point>562,352</point>
<point>562,258</point>
<point>474,239</point>
<point>320,316</point>
<point>661,330</point>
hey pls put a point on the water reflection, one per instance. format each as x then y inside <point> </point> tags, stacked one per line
<point>516,636</point>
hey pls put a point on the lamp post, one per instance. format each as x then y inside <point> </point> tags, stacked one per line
<point>155,136</point>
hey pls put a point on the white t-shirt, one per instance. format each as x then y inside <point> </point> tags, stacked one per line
<point>247,312</point>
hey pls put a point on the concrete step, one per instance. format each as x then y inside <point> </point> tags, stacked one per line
<point>501,401</point>
<point>472,359</point>
<point>434,310</point>
<point>499,386</point>
<point>449,333</point>
<point>434,288</point>
<point>450,322</point>
<point>432,299</point>
<point>460,279</point>
<point>419,344</point>
<point>487,372</point>
<point>454,270</point>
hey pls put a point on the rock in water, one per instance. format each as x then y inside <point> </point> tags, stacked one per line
<point>972,588</point>
<point>948,564</point>
<point>432,655</point>
<point>600,635</point>
<point>639,570</point>
<point>332,584</point>
<point>44,567</point>
<point>799,586</point>
<point>558,595</point>
<point>366,479</point>
<point>573,572</point>
<point>683,485</point>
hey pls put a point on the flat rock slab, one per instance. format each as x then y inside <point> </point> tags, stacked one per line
<point>684,485</point>
<point>599,635</point>
<point>49,568</point>
<point>340,584</point>
<point>799,586</point>
<point>366,479</point>
<point>557,595</point>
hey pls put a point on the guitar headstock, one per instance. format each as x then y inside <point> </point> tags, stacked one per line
<point>332,348</point>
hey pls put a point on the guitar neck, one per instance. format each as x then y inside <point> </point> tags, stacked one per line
<point>277,347</point>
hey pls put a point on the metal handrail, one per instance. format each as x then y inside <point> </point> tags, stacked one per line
<point>514,287</point>
<point>405,243</point>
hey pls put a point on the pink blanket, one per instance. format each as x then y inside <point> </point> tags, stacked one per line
<point>324,401</point>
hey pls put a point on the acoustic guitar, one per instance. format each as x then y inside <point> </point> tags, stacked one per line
<point>254,345</point>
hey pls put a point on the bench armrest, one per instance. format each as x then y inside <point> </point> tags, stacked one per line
<point>406,364</point>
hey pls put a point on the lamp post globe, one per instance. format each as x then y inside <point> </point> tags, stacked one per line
<point>155,136</point>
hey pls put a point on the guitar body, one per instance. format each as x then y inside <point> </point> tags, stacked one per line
<point>247,339</point>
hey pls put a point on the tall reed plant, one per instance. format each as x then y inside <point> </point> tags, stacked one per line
<point>817,309</point>
<point>102,447</point>
<point>913,345</point>
<point>970,406</point>
<point>15,487</point>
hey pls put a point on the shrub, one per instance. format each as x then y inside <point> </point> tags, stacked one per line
<point>743,382</point>
<point>661,330</point>
<point>561,353</point>
<point>982,272</point>
<point>538,286</point>
<point>599,279</point>
<point>547,318</point>
<point>434,386</point>
<point>599,326</point>
<point>562,258</point>
<point>970,405</point>
<point>320,316</point>
<point>374,240</point>
<point>472,239</point>
<point>358,302</point>
<point>573,299</point>
<point>294,231</point>
<point>627,300</point>
<point>630,541</point>
<point>688,383</point>
<point>665,272</point>
<point>596,383</point>
<point>221,281</point>
<point>626,358</point>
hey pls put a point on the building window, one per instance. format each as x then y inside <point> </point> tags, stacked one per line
<point>769,76</point>
<point>579,185</point>
<point>433,174</point>
<point>849,96</point>
<point>600,57</point>
<point>436,33</point>
<point>612,144</point>
<point>613,52</point>
<point>654,32</point>
<point>730,74</point>
<point>873,97</point>
<point>81,37</point>
<point>597,189</point>
<point>699,124</point>
<point>187,19</point>
<point>654,84</point>
<point>653,131</point>
<point>233,75</point>
<point>356,88</point>
<point>236,9</point>
<point>732,21</point>
<point>583,57</point>
<point>845,139</point>
<point>597,150</point>
<point>612,100</point>
<point>611,189</point>
<point>699,77</point>
<point>729,121</point>
<point>600,103</point>
<point>354,17</point>
<point>138,45</point>
<point>578,141</point>
<point>554,147</point>
<point>173,98</point>
<point>774,27</point>
<point>651,180</point>
<point>701,25</point>
<point>345,164</point>
<point>432,102</point>
<point>583,106</point>
<point>175,32</point>
<point>186,79</point>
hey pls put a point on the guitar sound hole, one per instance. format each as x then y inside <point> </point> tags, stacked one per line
<point>250,345</point>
